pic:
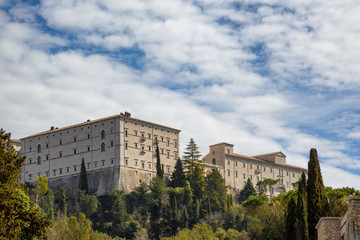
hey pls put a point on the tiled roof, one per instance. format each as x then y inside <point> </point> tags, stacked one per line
<point>99,120</point>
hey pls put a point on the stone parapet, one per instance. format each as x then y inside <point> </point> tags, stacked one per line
<point>328,228</point>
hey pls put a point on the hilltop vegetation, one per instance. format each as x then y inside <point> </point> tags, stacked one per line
<point>193,206</point>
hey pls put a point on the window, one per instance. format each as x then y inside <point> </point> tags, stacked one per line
<point>60,142</point>
<point>287,173</point>
<point>168,154</point>
<point>95,164</point>
<point>102,134</point>
<point>102,162</point>
<point>155,138</point>
<point>142,134</point>
<point>149,165</point>
<point>143,165</point>
<point>244,165</point>
<point>149,135</point>
<point>236,174</point>
<point>257,178</point>
<point>112,161</point>
<point>47,173</point>
<point>228,151</point>
<point>135,132</point>
<point>143,147</point>
<point>135,145</point>
<point>74,139</point>
<point>250,177</point>
<point>244,176</point>
<point>258,167</point>
<point>111,130</point>
<point>60,154</point>
<point>236,164</point>
<point>126,145</point>
<point>214,161</point>
<point>75,168</point>
<point>168,169</point>
<point>271,170</point>
<point>228,172</point>
<point>112,143</point>
<point>38,148</point>
<point>67,169</point>
<point>30,149</point>
<point>162,139</point>
<point>175,143</point>
<point>136,173</point>
<point>60,171</point>
<point>39,160</point>
<point>136,162</point>
<point>126,132</point>
<point>149,147</point>
<point>88,165</point>
<point>250,166</point>
<point>47,145</point>
<point>162,151</point>
<point>168,142</point>
<point>30,160</point>
<point>30,176</point>
<point>88,148</point>
<point>47,157</point>
<point>213,152</point>
<point>293,174</point>
<point>103,147</point>
<point>264,169</point>
<point>54,171</point>
<point>228,162</point>
<point>74,150</point>
<point>126,161</point>
<point>88,136</point>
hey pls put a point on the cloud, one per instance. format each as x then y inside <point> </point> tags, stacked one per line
<point>265,76</point>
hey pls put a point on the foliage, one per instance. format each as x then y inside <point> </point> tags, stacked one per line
<point>88,204</point>
<point>192,155</point>
<point>247,191</point>
<point>215,190</point>
<point>178,177</point>
<point>316,198</point>
<point>76,228</point>
<point>17,218</point>
<point>262,186</point>
<point>337,199</point>
<point>197,180</point>
<point>301,213</point>
<point>83,182</point>
<point>235,218</point>
<point>255,201</point>
<point>156,202</point>
<point>291,220</point>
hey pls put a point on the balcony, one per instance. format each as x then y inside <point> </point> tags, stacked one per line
<point>142,138</point>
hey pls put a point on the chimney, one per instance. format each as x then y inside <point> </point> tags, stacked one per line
<point>127,114</point>
<point>52,128</point>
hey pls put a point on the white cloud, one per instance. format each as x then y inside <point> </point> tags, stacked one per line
<point>197,75</point>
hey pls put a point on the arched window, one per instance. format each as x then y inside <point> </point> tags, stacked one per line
<point>39,148</point>
<point>102,134</point>
<point>39,160</point>
<point>214,161</point>
<point>103,147</point>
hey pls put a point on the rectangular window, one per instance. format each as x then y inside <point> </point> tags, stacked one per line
<point>143,165</point>
<point>30,149</point>
<point>75,168</point>
<point>47,157</point>
<point>88,136</point>
<point>136,162</point>
<point>112,143</point>
<point>235,164</point>
<point>244,176</point>
<point>54,172</point>
<point>228,172</point>
<point>149,147</point>
<point>60,154</point>
<point>168,142</point>
<point>250,177</point>
<point>30,160</point>
<point>60,142</point>
<point>126,145</point>
<point>162,151</point>
<point>126,161</point>
<point>236,174</point>
<point>112,161</point>
<point>74,139</point>
<point>244,165</point>
<point>264,169</point>
<point>271,170</point>
<point>30,176</point>
<point>102,162</point>
<point>88,148</point>
<point>168,154</point>
<point>60,170</point>
<point>75,151</point>
<point>88,165</point>
<point>126,132</point>
<point>257,178</point>
<point>149,165</point>
<point>135,132</point>
<point>168,169</point>
<point>47,145</point>
<point>228,162</point>
<point>95,164</point>
<point>67,169</point>
<point>47,174</point>
<point>135,145</point>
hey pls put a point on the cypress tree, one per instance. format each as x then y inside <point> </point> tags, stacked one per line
<point>316,197</point>
<point>291,220</point>
<point>247,191</point>
<point>302,209</point>
<point>159,168</point>
<point>178,178</point>
<point>83,183</point>
<point>186,217</point>
<point>63,208</point>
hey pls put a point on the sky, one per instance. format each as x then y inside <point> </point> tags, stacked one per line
<point>264,75</point>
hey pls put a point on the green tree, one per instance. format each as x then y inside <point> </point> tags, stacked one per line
<point>83,182</point>
<point>301,213</point>
<point>247,191</point>
<point>17,219</point>
<point>215,190</point>
<point>316,198</point>
<point>197,180</point>
<point>337,199</point>
<point>156,197</point>
<point>178,177</point>
<point>291,221</point>
<point>159,167</point>
<point>62,205</point>
<point>88,204</point>
<point>192,155</point>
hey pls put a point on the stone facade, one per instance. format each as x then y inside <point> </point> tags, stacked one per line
<point>118,151</point>
<point>237,168</point>
<point>341,228</point>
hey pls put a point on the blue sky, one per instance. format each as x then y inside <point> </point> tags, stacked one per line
<point>264,75</point>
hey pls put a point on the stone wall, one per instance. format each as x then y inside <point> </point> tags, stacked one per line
<point>328,228</point>
<point>100,181</point>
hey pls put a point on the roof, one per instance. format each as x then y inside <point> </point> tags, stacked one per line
<point>222,143</point>
<point>99,120</point>
<point>264,161</point>
<point>269,154</point>
<point>16,140</point>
